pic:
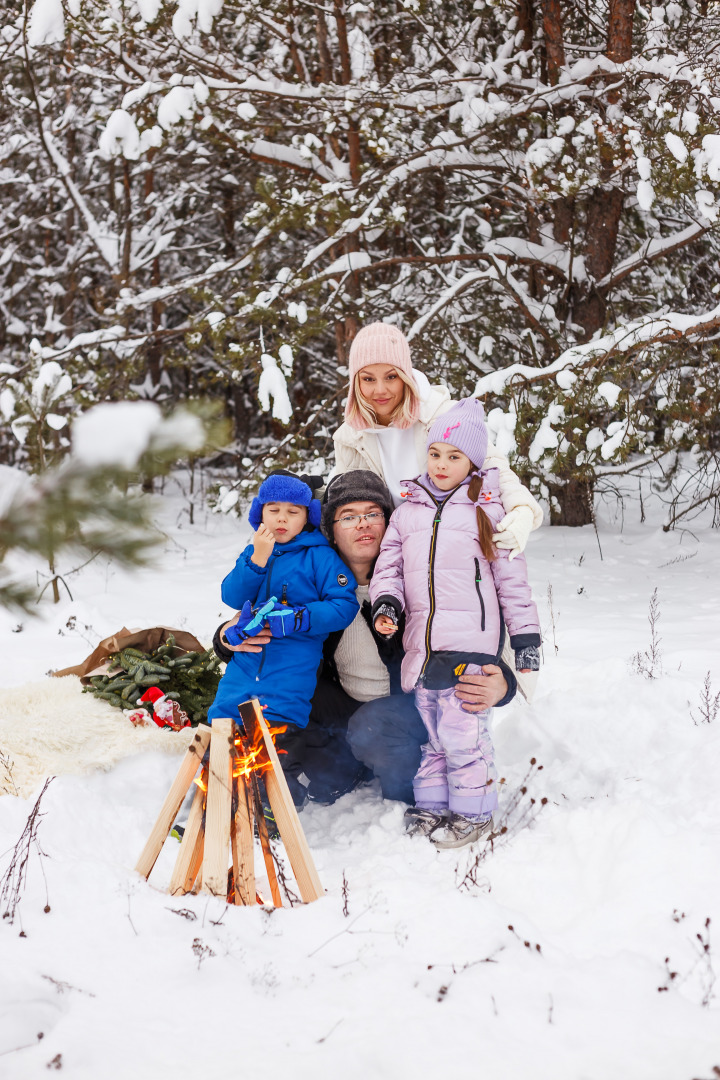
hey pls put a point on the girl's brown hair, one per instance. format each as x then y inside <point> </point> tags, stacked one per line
<point>485,529</point>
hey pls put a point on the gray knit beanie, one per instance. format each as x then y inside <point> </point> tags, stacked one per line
<point>357,485</point>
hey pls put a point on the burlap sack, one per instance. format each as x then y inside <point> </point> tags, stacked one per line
<point>97,662</point>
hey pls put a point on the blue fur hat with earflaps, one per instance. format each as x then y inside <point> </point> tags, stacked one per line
<point>284,487</point>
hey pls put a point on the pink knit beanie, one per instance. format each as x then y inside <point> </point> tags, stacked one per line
<point>462,426</point>
<point>377,343</point>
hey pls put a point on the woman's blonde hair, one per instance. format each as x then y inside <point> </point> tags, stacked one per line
<point>360,413</point>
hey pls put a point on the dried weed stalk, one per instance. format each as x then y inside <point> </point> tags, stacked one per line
<point>184,912</point>
<point>443,990</point>
<point>649,662</point>
<point>520,812</point>
<point>701,969</point>
<point>25,1046</point>
<point>529,945</point>
<point>553,616</point>
<point>65,987</point>
<point>7,780</point>
<point>282,875</point>
<point>13,881</point>
<point>201,951</point>
<point>709,704</point>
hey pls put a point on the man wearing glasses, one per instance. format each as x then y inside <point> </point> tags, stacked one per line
<point>358,705</point>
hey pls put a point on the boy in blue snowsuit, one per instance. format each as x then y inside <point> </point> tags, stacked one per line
<point>290,559</point>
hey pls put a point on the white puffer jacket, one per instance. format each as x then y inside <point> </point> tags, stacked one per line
<point>356,449</point>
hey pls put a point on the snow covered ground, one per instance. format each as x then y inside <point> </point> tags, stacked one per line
<point>408,974</point>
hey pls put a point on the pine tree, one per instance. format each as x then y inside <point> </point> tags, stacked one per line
<point>83,506</point>
<point>529,189</point>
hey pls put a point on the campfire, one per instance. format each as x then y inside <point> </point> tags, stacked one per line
<point>224,763</point>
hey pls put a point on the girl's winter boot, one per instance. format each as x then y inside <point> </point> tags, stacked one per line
<point>457,831</point>
<point>421,822</point>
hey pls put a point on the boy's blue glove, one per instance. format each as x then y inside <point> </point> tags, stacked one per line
<point>285,620</point>
<point>250,622</point>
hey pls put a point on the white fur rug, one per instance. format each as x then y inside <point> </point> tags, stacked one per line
<point>51,728</point>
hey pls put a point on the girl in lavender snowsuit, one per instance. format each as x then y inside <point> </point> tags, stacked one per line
<point>438,564</point>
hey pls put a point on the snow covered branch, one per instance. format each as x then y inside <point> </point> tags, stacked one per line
<point>654,330</point>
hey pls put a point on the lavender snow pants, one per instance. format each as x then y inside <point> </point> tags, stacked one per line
<point>457,770</point>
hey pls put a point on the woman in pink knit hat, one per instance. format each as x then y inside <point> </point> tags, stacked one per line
<point>390,408</point>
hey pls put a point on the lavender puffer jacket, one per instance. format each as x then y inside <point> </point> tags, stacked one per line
<point>432,567</point>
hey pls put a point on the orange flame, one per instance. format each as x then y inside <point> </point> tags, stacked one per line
<point>245,764</point>
<point>250,759</point>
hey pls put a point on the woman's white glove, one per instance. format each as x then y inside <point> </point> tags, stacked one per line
<point>514,530</point>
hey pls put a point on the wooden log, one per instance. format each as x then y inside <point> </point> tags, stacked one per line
<point>265,845</point>
<point>194,875</point>
<point>286,816</point>
<point>235,871</point>
<point>243,847</point>
<point>173,800</point>
<point>190,855</point>
<point>219,808</point>
<point>253,789</point>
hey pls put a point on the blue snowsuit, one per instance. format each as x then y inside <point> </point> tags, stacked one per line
<point>305,572</point>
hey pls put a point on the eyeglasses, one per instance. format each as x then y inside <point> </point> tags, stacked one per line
<point>350,521</point>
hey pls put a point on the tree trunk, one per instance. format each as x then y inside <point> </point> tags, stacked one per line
<point>298,65</point>
<point>344,47</point>
<point>606,203</point>
<point>564,233</point>
<point>534,279</point>
<point>127,232</point>
<point>70,152</point>
<point>154,349</point>
<point>228,221</point>
<point>601,232</point>
<point>326,69</point>
<point>553,34</point>
<point>575,499</point>
<point>345,331</point>
<point>525,22</point>
<point>347,327</point>
<point>620,30</point>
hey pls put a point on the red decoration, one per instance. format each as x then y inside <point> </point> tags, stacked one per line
<point>166,713</point>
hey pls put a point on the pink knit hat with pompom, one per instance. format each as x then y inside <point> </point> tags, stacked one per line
<point>378,343</point>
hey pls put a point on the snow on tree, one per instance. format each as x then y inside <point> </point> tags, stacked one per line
<point>82,505</point>
<point>190,177</point>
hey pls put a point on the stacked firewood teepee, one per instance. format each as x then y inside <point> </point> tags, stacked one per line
<point>225,763</point>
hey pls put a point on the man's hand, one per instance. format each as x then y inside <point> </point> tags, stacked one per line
<point>254,644</point>
<point>480,692</point>
<point>263,543</point>
<point>385,625</point>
